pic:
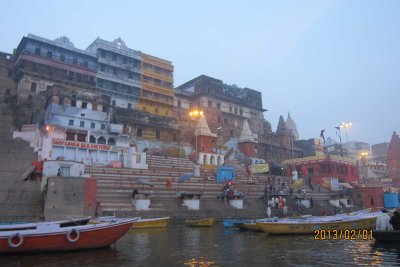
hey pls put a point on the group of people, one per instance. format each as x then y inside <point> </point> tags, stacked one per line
<point>385,222</point>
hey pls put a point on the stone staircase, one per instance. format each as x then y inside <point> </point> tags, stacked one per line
<point>19,200</point>
<point>115,186</point>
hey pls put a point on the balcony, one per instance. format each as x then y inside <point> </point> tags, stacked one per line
<point>157,99</point>
<point>157,62</point>
<point>118,65</point>
<point>116,79</point>
<point>155,75</point>
<point>158,89</point>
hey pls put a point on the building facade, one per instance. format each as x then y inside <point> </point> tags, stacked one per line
<point>226,107</point>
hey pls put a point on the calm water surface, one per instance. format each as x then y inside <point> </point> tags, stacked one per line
<point>182,246</point>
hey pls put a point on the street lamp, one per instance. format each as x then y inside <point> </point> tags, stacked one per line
<point>364,156</point>
<point>346,125</point>
<point>195,115</point>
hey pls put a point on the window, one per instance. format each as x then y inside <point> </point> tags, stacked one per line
<point>103,126</point>
<point>219,119</point>
<point>101,140</point>
<point>37,51</point>
<point>236,110</point>
<point>33,87</point>
<point>231,133</point>
<point>61,101</point>
<point>179,103</point>
<point>219,105</point>
<point>114,57</point>
<point>230,108</point>
<point>81,137</point>
<point>111,142</point>
<point>92,125</point>
<point>84,104</point>
<point>102,67</point>
<point>103,53</point>
<point>139,132</point>
<point>85,64</point>
<point>115,71</point>
<point>81,124</point>
<point>70,136</point>
<point>130,75</point>
<point>158,135</point>
<point>113,103</point>
<point>49,54</point>
<point>209,104</point>
<point>65,171</point>
<point>71,122</point>
<point>174,138</point>
<point>62,57</point>
<point>75,61</point>
<point>225,121</point>
<point>129,105</point>
<point>73,103</point>
<point>92,139</point>
<point>125,60</point>
<point>241,112</point>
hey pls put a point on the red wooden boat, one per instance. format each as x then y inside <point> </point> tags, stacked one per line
<point>52,237</point>
<point>27,226</point>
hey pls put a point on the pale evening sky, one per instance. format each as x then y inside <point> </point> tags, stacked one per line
<point>324,61</point>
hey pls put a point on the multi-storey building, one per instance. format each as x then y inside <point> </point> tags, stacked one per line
<point>40,64</point>
<point>157,95</point>
<point>7,84</point>
<point>118,72</point>
<point>226,107</point>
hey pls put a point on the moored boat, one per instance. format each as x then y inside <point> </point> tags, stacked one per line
<point>309,226</point>
<point>231,223</point>
<point>27,226</point>
<point>151,223</point>
<point>252,225</point>
<point>52,237</point>
<point>237,223</point>
<point>386,235</point>
<point>200,223</point>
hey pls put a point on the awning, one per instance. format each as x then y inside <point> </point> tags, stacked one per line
<point>348,186</point>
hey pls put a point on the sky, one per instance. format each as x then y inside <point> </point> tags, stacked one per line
<point>323,61</point>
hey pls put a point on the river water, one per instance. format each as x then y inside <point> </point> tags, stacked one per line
<point>179,245</point>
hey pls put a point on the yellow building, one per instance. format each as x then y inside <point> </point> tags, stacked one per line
<point>157,96</point>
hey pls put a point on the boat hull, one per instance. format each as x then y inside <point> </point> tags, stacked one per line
<point>70,238</point>
<point>308,228</point>
<point>386,236</point>
<point>200,223</point>
<point>151,223</point>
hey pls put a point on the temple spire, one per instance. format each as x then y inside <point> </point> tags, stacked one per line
<point>246,134</point>
<point>202,128</point>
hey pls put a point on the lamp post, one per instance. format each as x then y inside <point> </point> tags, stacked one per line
<point>346,125</point>
<point>364,156</point>
<point>195,115</point>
